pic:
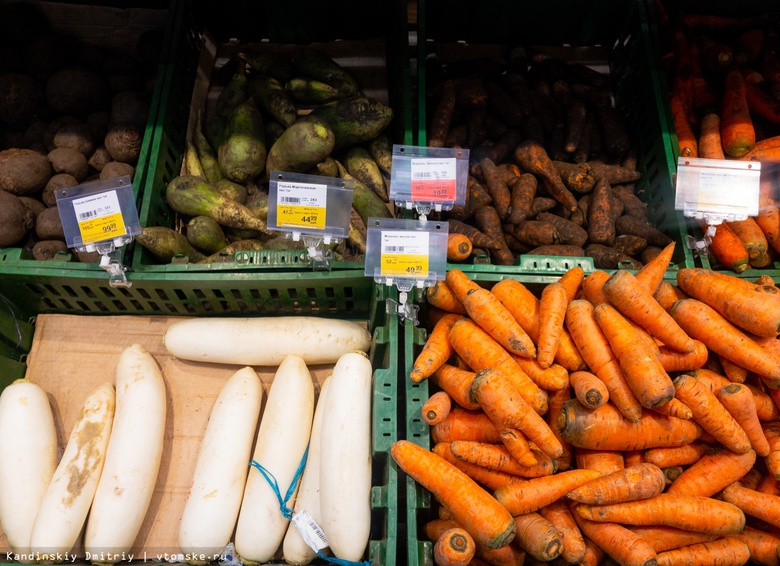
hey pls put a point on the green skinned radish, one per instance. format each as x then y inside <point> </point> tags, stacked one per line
<point>326,168</point>
<point>362,166</point>
<point>364,200</point>
<point>269,94</point>
<point>206,235</point>
<point>354,120</point>
<point>206,153</point>
<point>317,65</point>
<point>240,245</point>
<point>305,90</point>
<point>258,204</point>
<point>277,65</point>
<point>165,244</point>
<point>273,131</point>
<point>304,144</point>
<point>231,190</point>
<point>242,153</point>
<point>234,93</point>
<point>381,149</point>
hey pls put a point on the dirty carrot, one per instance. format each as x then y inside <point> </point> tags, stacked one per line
<point>596,351</point>
<point>497,457</point>
<point>686,139</point>
<point>589,389</point>
<point>673,361</point>
<point>738,400</point>
<point>729,250</point>
<point>454,547</point>
<point>436,408</point>
<point>678,455</point>
<point>642,369</point>
<point>441,296</point>
<point>552,311</point>
<point>538,537</point>
<point>478,238</point>
<point>437,349</point>
<point>572,281</point>
<point>465,425</point>
<point>531,156</point>
<point>522,192</point>
<point>496,187</point>
<point>559,514</point>
<point>456,382</point>
<point>733,372</point>
<point>633,482</point>
<point>458,247</point>
<point>752,237</point>
<point>710,146</point>
<point>652,273</point>
<point>736,127</point>
<point>711,414</point>
<point>593,286</point>
<point>553,378</point>
<point>713,472</point>
<point>489,478</point>
<point>603,461</point>
<point>531,495</point>
<point>725,550</point>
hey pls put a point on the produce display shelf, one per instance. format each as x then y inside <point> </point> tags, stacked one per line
<point>331,27</point>
<point>348,295</point>
<point>620,31</point>
<point>10,260</point>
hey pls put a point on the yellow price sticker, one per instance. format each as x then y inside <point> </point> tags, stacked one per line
<point>102,228</point>
<point>303,216</point>
<point>404,265</point>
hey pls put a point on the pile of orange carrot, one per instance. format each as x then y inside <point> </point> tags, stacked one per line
<point>608,418</point>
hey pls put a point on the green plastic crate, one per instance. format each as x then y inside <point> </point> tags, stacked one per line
<point>12,259</point>
<point>348,296</point>
<point>292,23</point>
<point>621,29</point>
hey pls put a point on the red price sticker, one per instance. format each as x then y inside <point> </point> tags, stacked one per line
<point>433,179</point>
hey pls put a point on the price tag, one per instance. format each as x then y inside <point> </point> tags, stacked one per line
<point>99,217</point>
<point>433,180</point>
<point>404,254</point>
<point>310,531</point>
<point>301,205</point>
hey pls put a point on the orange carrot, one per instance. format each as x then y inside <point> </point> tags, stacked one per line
<point>736,128</point>
<point>712,472</point>
<point>711,414</point>
<point>626,547</point>
<point>516,443</point>
<point>560,516</point>
<point>538,537</point>
<point>673,361</point>
<point>710,146</point>
<point>689,512</point>
<point>757,313</point>
<point>768,484</point>
<point>556,401</point>
<point>498,458</point>
<point>764,547</point>
<point>456,382</point>
<point>503,402</point>
<point>726,246</point>
<point>510,555</point>
<point>444,513</point>
<point>643,371</point>
<point>725,550</point>
<point>593,287</point>
<point>772,433</point>
<point>752,237</point>
<point>686,139</point>
<point>625,293</point>
<point>473,507</point>
<point>734,372</point>
<point>633,482</point>
<point>667,294</point>
<point>603,461</point>
<point>668,538</point>
<point>598,354</point>
<point>454,547</point>
<point>652,273</point>
<point>440,295</point>
<point>437,527</point>
<point>593,553</point>
<point>458,247</point>
<point>754,503</point>
<point>480,351</point>
<point>436,408</point>
<point>487,477</point>
<point>531,495</point>
<point>678,455</point>
<point>702,322</point>
<point>572,281</point>
<point>768,219</point>
<point>633,458</point>
<point>552,311</point>
<point>675,408</point>
<point>437,349</point>
<point>488,312</point>
<point>553,378</point>
<point>524,307</point>
<point>605,429</point>
<point>589,389</point>
<point>765,407</point>
<point>738,400</point>
<point>465,425</point>
<point>772,348</point>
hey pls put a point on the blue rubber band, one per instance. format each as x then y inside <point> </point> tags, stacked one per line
<point>341,562</point>
<point>287,513</point>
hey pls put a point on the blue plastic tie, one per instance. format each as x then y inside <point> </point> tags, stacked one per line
<point>286,511</point>
<point>341,562</point>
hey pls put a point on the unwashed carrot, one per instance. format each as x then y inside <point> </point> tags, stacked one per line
<point>711,414</point>
<point>465,425</point>
<point>738,400</point>
<point>531,495</point>
<point>538,537</point>
<point>491,479</point>
<point>454,547</point>
<point>625,293</point>
<point>633,482</point>
<point>678,455</point>
<point>710,146</point>
<point>560,516</point>
<point>552,311</point>
<point>502,401</point>
<point>687,143</point>
<point>736,127</point>
<point>440,295</point>
<point>553,378</point>
<point>531,156</point>
<point>498,458</point>
<point>436,408</point>
<point>642,369</point>
<point>689,512</point>
<point>589,389</point>
<point>437,349</point>
<point>603,461</point>
<point>733,372</point>
<point>457,383</point>
<point>458,247</point>
<point>764,547</point>
<point>713,472</point>
<point>598,354</point>
<point>593,286</point>
<point>752,237</point>
<point>756,504</point>
<point>605,429</point>
<point>572,281</point>
<point>480,351</point>
<point>667,538</point>
<point>729,249</point>
<point>487,311</point>
<point>725,550</point>
<point>673,361</point>
<point>652,273</point>
<point>702,322</point>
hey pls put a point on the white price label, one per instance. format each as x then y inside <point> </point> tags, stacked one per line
<point>96,206</point>
<point>309,530</point>
<point>405,242</point>
<point>302,194</point>
<point>433,179</point>
<point>717,188</point>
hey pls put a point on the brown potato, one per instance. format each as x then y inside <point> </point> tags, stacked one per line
<point>70,161</point>
<point>23,171</point>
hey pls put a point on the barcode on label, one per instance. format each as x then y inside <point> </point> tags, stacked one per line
<point>87,214</point>
<point>395,249</point>
<point>423,175</point>
<point>307,527</point>
<point>291,200</point>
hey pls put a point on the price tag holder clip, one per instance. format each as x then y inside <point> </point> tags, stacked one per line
<point>100,216</point>
<point>407,253</point>
<point>428,178</point>
<point>717,190</point>
<point>312,208</point>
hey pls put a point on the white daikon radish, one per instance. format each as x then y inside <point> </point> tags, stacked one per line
<point>284,432</point>
<point>295,550</point>
<point>345,458</point>
<point>211,511</point>
<point>264,341</point>
<point>28,458</point>
<point>133,458</point>
<point>68,498</point>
